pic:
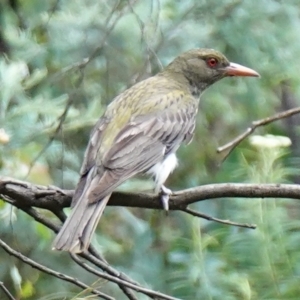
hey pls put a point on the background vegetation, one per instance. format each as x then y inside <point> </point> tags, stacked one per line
<point>61,63</point>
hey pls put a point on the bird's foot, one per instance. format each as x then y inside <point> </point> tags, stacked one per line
<point>164,197</point>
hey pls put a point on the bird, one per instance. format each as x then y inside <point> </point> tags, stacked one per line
<point>139,133</point>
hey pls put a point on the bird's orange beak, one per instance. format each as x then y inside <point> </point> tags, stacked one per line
<point>238,70</point>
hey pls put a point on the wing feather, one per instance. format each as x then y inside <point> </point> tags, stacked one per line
<point>89,158</point>
<point>140,144</point>
<point>144,141</point>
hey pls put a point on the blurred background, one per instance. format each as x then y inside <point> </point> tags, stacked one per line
<point>62,62</point>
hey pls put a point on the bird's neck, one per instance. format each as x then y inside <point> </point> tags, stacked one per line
<point>194,87</point>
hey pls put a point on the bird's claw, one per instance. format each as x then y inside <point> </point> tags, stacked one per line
<point>164,197</point>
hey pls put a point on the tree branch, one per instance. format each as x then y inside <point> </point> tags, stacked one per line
<point>210,218</point>
<point>51,272</point>
<point>24,194</point>
<point>148,292</point>
<point>6,291</point>
<point>262,122</point>
<point>28,197</point>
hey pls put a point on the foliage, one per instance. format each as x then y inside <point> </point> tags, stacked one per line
<point>51,94</point>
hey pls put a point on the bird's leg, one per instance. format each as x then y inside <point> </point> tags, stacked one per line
<point>164,197</point>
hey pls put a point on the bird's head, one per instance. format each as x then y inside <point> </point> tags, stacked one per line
<point>203,67</point>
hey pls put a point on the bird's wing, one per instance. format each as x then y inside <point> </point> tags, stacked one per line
<point>143,142</point>
<point>90,157</point>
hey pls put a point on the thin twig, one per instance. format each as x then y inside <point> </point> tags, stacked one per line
<point>101,262</point>
<point>128,293</point>
<point>107,268</point>
<point>32,212</point>
<point>153,53</point>
<point>92,255</point>
<point>51,11</point>
<point>150,51</point>
<point>97,51</point>
<point>137,288</point>
<point>210,218</point>
<point>60,214</point>
<point>61,119</point>
<point>40,218</point>
<point>51,272</point>
<point>96,255</point>
<point>96,259</point>
<point>6,291</point>
<point>255,124</point>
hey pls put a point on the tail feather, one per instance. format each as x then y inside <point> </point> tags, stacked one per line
<point>77,231</point>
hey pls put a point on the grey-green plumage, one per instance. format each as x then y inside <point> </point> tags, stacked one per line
<point>140,132</point>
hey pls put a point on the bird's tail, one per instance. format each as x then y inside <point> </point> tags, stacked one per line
<point>76,233</point>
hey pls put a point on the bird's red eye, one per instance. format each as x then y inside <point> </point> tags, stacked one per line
<point>212,62</point>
